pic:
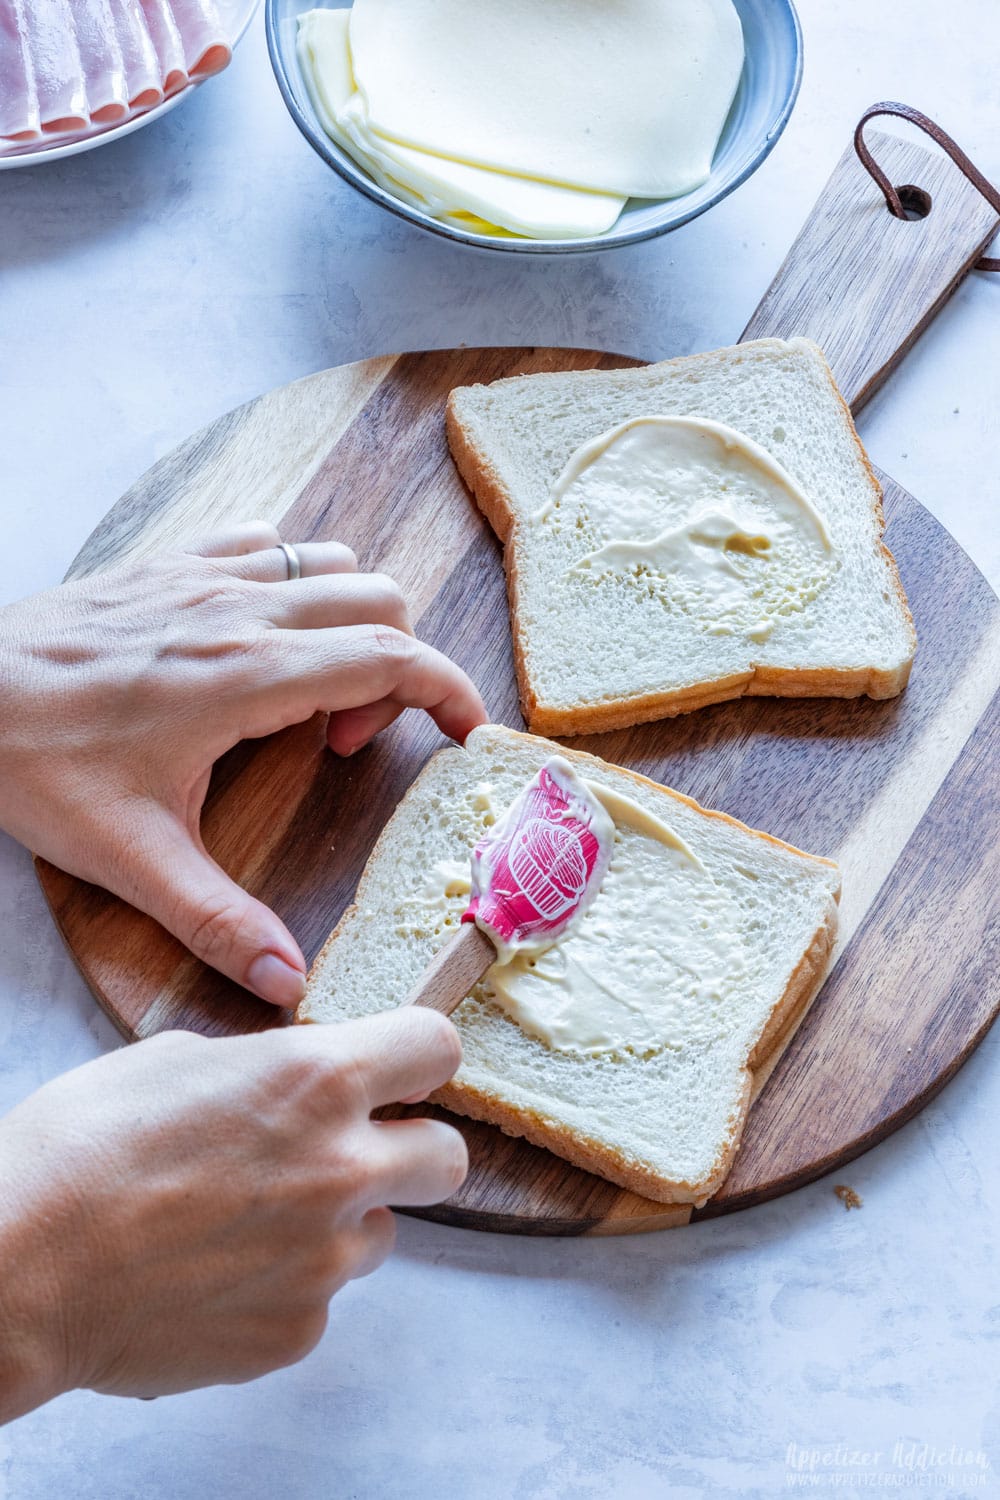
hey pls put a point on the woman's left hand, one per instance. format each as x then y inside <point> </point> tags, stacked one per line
<point>120,691</point>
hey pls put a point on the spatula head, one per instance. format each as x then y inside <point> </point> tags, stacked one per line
<point>542,864</point>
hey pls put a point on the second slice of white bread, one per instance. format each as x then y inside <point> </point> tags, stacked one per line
<point>591,658</point>
<point>665,1124</point>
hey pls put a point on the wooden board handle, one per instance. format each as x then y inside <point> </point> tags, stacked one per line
<point>863,284</point>
<point>453,971</point>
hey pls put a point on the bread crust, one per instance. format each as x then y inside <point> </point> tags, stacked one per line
<point>497,505</point>
<point>576,1147</point>
<point>595,1156</point>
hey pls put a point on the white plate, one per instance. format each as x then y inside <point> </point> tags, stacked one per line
<point>238,13</point>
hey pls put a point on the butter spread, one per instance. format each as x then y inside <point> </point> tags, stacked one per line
<point>628,814</point>
<point>701,508</point>
<point>482,800</point>
<point>514,117</point>
<point>647,966</point>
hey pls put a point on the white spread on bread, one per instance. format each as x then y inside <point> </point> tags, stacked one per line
<point>539,119</point>
<point>701,507</point>
<point>628,814</point>
<point>647,962</point>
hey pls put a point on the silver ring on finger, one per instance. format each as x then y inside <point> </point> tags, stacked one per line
<point>292,560</point>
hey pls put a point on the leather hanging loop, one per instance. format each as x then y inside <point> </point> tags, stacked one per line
<point>941,138</point>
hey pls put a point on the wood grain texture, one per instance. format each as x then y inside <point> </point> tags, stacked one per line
<point>864,284</point>
<point>216,477</point>
<point>904,793</point>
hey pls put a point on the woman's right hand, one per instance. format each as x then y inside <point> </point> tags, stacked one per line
<point>179,1213</point>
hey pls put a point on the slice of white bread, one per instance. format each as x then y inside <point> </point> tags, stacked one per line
<point>665,1123</point>
<point>595,653</point>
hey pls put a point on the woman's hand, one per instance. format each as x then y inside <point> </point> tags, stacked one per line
<point>118,692</point>
<point>179,1213</point>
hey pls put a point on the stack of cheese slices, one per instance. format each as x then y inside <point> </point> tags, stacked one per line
<point>510,116</point>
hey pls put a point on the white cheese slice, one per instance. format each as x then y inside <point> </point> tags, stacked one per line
<point>478,198</point>
<point>615,96</point>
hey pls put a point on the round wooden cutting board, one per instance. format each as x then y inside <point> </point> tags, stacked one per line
<point>904,794</point>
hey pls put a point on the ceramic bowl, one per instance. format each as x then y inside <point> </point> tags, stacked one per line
<point>768,88</point>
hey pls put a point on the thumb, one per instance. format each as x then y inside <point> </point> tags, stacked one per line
<point>177,882</point>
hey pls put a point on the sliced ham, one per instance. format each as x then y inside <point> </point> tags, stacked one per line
<point>19,119</point>
<point>167,40</point>
<point>67,66</point>
<point>206,45</point>
<point>55,62</point>
<point>102,61</point>
<point>142,67</point>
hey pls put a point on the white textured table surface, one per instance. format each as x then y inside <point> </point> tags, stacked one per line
<point>144,289</point>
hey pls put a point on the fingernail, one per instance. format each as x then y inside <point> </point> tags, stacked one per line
<point>273,979</point>
<point>346,747</point>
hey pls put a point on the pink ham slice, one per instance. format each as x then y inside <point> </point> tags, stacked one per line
<point>142,67</point>
<point>19,119</point>
<point>206,46</point>
<point>69,65</point>
<point>102,60</point>
<point>167,40</point>
<point>55,62</point>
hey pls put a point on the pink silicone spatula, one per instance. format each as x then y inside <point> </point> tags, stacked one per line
<point>533,874</point>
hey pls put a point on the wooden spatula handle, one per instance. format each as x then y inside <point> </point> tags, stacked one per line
<point>453,971</point>
<point>864,285</point>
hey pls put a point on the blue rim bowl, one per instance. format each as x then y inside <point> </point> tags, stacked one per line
<point>764,100</point>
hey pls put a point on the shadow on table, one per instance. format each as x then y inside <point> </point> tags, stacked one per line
<point>56,209</point>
